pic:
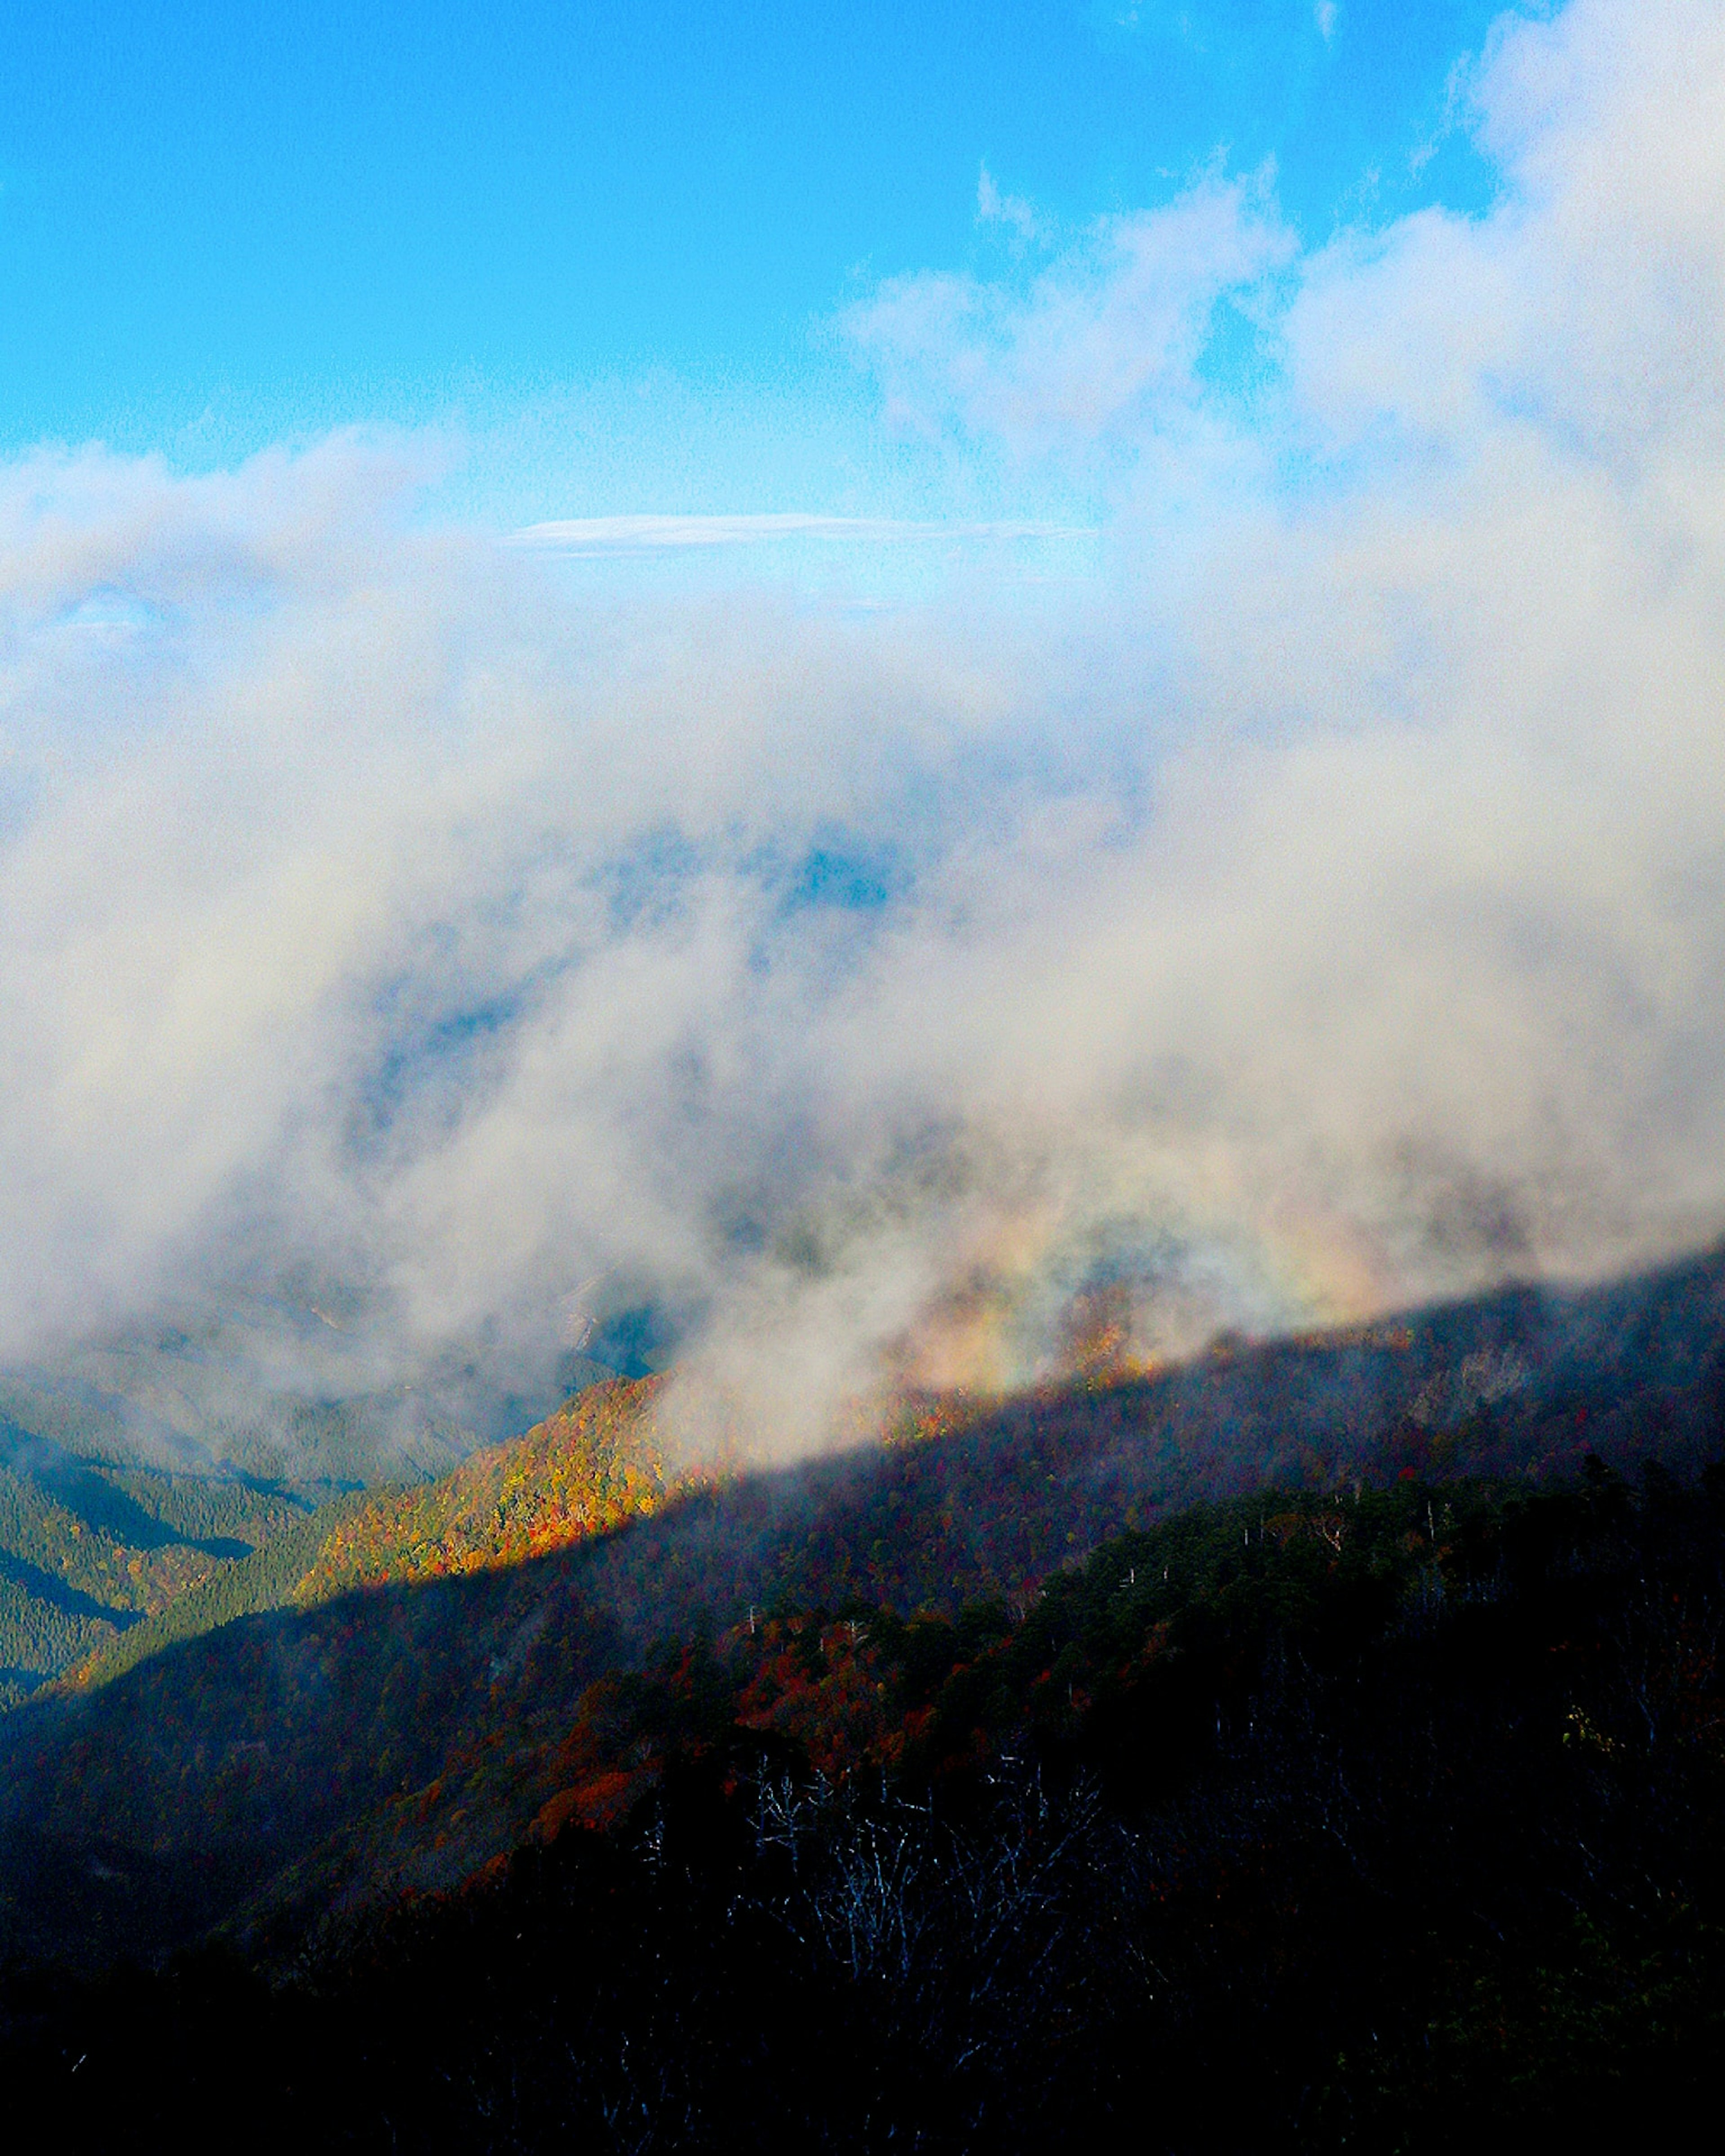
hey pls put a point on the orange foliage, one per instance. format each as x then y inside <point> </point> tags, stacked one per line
<point>595,1465</point>
<point>820,1685</point>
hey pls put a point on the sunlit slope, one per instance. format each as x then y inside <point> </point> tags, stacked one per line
<point>596,1463</point>
<point>593,1466</point>
<point>103,1564</point>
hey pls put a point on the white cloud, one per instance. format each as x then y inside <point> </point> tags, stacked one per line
<point>1103,345</point>
<point>1327,906</point>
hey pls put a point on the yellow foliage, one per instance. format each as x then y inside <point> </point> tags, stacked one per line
<point>596,1463</point>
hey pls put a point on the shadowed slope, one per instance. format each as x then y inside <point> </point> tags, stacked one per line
<point>401,1735</point>
<point>1383,1821</point>
<point>91,1550</point>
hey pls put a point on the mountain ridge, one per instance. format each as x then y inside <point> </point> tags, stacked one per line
<point>595,1463</point>
<point>406,1731</point>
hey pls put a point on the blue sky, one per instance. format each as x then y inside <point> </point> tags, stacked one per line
<point>606,245</point>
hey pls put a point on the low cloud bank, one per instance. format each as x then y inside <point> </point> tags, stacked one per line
<point>1322,906</point>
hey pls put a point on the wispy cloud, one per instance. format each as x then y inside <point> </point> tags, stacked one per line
<point>1013,210</point>
<point>1102,346</point>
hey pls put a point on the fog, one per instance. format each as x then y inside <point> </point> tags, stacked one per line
<point>1314,903</point>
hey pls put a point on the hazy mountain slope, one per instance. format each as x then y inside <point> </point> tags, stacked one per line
<point>406,1733</point>
<point>89,1549</point>
<point>594,1465</point>
<point>103,1564</point>
<point>284,1384</point>
<point>1438,1385</point>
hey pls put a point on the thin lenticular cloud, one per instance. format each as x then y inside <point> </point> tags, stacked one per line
<point>630,535</point>
<point>1323,906</point>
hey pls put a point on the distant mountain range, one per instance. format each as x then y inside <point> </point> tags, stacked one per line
<point>291,1385</point>
<point>104,1563</point>
<point>379,1692</point>
<point>92,1550</point>
<point>152,1467</point>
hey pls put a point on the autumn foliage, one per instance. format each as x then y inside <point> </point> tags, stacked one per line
<point>595,1465</point>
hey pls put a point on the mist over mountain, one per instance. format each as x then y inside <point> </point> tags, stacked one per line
<point>1314,906</point>
<point>274,1385</point>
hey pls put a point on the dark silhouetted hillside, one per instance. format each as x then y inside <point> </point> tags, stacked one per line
<point>1382,1819</point>
<point>301,1761</point>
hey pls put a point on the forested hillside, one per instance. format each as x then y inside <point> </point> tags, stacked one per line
<point>90,1550</point>
<point>397,1712</point>
<point>103,1564</point>
<point>1383,1820</point>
